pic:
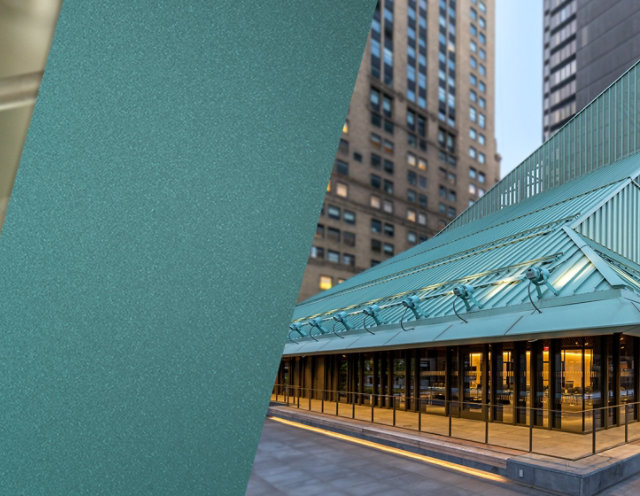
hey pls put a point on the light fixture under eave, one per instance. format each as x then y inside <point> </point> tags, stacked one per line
<point>465,293</point>
<point>412,303</point>
<point>341,317</point>
<point>317,323</point>
<point>372,311</point>
<point>538,276</point>
<point>295,327</point>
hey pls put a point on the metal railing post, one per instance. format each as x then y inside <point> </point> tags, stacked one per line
<point>353,408</point>
<point>322,402</point>
<point>371,401</point>
<point>309,391</point>
<point>530,430</point>
<point>593,429</point>
<point>337,402</point>
<point>486,426</point>
<point>298,393</point>
<point>393,404</point>
<point>419,416</point>
<point>449,423</point>
<point>626,425</point>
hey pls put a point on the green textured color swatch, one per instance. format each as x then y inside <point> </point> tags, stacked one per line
<point>156,237</point>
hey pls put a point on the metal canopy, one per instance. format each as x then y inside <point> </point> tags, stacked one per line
<point>576,227</point>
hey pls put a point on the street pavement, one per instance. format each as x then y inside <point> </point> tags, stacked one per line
<point>294,461</point>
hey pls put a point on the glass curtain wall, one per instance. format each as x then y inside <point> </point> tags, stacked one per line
<point>559,382</point>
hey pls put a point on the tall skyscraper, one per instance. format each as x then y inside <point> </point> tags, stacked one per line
<point>418,143</point>
<point>588,44</point>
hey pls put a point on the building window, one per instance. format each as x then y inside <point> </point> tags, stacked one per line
<point>374,263</point>
<point>473,96</point>
<point>472,114</point>
<point>333,234</point>
<point>388,249</point>
<point>412,238</point>
<point>333,212</point>
<point>333,256</point>
<point>319,231</point>
<point>345,127</point>
<point>452,195</point>
<point>387,105</point>
<point>451,212</point>
<point>348,259</point>
<point>472,189</point>
<point>411,196</point>
<point>422,164</point>
<point>481,139</point>
<point>376,120</point>
<point>376,161</point>
<point>422,219</point>
<point>442,192</point>
<point>389,230</point>
<point>348,238</point>
<point>412,178</point>
<point>422,201</point>
<point>472,133</point>
<point>342,167</point>
<point>342,189</point>
<point>442,208</point>
<point>472,152</point>
<point>422,182</point>
<point>376,181</point>
<point>388,166</point>
<point>375,140</point>
<point>349,217</point>
<point>388,187</point>
<point>481,120</point>
<point>411,159</point>
<point>374,99</point>
<point>376,226</point>
<point>411,119</point>
<point>388,146</point>
<point>411,215</point>
<point>472,173</point>
<point>387,206</point>
<point>481,177</point>
<point>473,79</point>
<point>376,245</point>
<point>343,147</point>
<point>325,282</point>
<point>481,157</point>
<point>374,201</point>
<point>317,252</point>
<point>357,157</point>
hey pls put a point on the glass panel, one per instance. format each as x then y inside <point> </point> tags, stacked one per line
<point>432,381</point>
<point>504,398</point>
<point>473,394</point>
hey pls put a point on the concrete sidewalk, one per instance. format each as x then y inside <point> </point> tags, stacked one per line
<point>583,477</point>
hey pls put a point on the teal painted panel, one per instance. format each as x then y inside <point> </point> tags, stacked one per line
<point>616,224</point>
<point>157,234</point>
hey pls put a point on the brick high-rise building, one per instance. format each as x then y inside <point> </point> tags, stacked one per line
<point>588,44</point>
<point>418,144</point>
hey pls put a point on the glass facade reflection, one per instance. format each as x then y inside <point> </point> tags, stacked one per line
<point>566,383</point>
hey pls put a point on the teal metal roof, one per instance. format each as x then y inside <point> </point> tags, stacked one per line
<point>569,221</point>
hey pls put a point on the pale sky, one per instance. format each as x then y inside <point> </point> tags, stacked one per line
<point>518,80</point>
